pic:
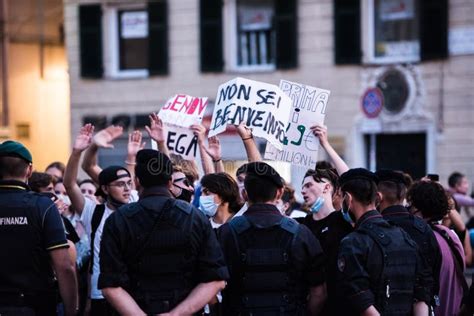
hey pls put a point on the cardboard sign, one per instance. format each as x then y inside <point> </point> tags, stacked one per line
<point>183,110</point>
<point>181,141</point>
<point>300,146</point>
<point>261,106</point>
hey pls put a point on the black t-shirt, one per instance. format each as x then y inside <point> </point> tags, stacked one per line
<point>329,231</point>
<point>30,226</point>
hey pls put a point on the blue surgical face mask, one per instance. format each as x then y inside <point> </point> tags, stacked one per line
<point>317,205</point>
<point>345,213</point>
<point>207,205</point>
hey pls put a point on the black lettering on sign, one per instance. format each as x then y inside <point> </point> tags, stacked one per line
<point>229,92</point>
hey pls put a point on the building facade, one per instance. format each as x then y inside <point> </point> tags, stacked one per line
<point>126,58</point>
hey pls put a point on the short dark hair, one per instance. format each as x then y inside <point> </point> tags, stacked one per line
<point>87,181</point>
<point>364,191</point>
<point>324,164</point>
<point>58,165</point>
<point>455,178</point>
<point>12,167</point>
<point>329,174</point>
<point>241,169</point>
<point>259,189</point>
<point>225,186</point>
<point>39,180</point>
<point>393,192</point>
<point>429,198</point>
<point>153,168</point>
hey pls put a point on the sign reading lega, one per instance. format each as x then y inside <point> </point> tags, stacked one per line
<point>261,106</point>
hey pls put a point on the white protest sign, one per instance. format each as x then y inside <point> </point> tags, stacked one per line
<point>261,106</point>
<point>134,24</point>
<point>300,146</point>
<point>181,141</point>
<point>183,110</point>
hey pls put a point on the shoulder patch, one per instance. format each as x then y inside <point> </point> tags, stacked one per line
<point>240,224</point>
<point>183,206</point>
<point>289,225</point>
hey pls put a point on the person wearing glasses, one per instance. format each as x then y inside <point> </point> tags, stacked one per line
<point>181,188</point>
<point>115,187</point>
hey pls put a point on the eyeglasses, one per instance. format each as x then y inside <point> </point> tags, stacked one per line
<point>121,184</point>
<point>185,181</point>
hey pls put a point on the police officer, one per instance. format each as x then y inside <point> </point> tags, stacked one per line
<point>274,262</point>
<point>379,267</point>
<point>160,254</point>
<point>32,242</point>
<point>392,187</point>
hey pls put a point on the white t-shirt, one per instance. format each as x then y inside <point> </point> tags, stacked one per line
<point>86,219</point>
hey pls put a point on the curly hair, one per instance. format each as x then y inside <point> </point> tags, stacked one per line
<point>429,198</point>
<point>39,180</point>
<point>225,187</point>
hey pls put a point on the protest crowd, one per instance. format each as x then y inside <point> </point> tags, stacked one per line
<point>160,235</point>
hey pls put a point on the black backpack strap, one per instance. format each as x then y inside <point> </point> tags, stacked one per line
<point>97,215</point>
<point>458,260</point>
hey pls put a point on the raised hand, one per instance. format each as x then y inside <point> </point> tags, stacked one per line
<point>199,130</point>
<point>244,131</point>
<point>156,130</point>
<point>214,148</point>
<point>321,132</point>
<point>84,139</point>
<point>105,137</point>
<point>134,143</point>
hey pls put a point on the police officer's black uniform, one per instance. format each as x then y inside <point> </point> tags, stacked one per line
<point>273,261</point>
<point>379,265</point>
<point>158,250</point>
<point>30,226</point>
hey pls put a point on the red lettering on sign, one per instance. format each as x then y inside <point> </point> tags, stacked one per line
<point>176,102</point>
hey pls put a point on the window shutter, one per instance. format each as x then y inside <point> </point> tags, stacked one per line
<point>210,12</point>
<point>157,37</point>
<point>347,45</point>
<point>433,29</point>
<point>286,30</point>
<point>90,38</point>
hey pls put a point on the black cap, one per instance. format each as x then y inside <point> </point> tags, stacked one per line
<point>264,170</point>
<point>11,148</point>
<point>357,174</point>
<point>153,168</point>
<point>109,175</point>
<point>390,176</point>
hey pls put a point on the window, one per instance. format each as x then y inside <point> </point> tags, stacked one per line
<point>246,35</point>
<point>255,34</point>
<point>127,40</point>
<point>392,31</point>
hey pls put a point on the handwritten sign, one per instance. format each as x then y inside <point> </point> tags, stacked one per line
<point>300,146</point>
<point>261,106</point>
<point>183,110</point>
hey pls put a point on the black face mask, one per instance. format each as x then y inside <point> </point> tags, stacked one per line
<point>184,195</point>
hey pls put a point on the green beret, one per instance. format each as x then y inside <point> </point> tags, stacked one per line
<point>11,148</point>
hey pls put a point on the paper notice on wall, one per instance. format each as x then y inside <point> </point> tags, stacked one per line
<point>300,146</point>
<point>134,24</point>
<point>261,106</point>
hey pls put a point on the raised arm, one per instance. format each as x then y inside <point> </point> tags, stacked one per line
<point>321,131</point>
<point>245,134</point>
<point>206,160</point>
<point>134,145</point>
<point>104,139</point>
<point>83,140</point>
<point>157,132</point>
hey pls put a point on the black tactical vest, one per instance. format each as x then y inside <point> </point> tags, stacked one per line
<point>264,283</point>
<point>394,287</point>
<point>26,273</point>
<point>160,272</point>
